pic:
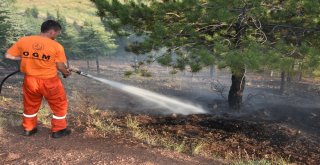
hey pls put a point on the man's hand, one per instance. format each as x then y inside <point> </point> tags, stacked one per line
<point>63,69</point>
<point>11,57</point>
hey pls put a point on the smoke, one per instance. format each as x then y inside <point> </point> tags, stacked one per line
<point>172,104</point>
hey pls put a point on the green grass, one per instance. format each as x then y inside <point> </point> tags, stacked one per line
<point>73,10</point>
<point>104,126</point>
<point>44,115</point>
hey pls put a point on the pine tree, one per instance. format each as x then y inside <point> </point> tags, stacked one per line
<point>4,24</point>
<point>94,43</point>
<point>50,16</point>
<point>32,12</point>
<point>238,34</point>
<point>66,37</point>
<point>10,29</point>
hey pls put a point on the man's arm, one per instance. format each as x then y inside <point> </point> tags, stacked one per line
<point>11,57</point>
<point>63,69</point>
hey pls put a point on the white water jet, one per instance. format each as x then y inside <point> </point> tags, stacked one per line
<point>171,104</point>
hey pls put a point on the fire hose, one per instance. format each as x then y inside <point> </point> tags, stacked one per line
<point>15,72</point>
<point>11,74</point>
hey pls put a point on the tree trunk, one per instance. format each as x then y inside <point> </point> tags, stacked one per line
<point>211,71</point>
<point>88,65</point>
<point>300,76</point>
<point>97,63</point>
<point>238,80</point>
<point>289,78</point>
<point>283,82</point>
<point>135,63</point>
<point>236,90</point>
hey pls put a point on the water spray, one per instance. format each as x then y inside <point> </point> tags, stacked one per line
<point>172,104</point>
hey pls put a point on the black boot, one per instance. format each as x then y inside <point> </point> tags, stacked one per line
<point>61,133</point>
<point>29,133</point>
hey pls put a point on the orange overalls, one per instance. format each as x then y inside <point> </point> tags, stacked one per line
<point>39,57</point>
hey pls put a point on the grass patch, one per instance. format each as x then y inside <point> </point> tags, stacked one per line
<point>2,122</point>
<point>74,10</point>
<point>105,127</point>
<point>153,139</point>
<point>44,116</point>
<point>251,160</point>
<point>9,119</point>
<point>197,147</point>
<point>127,74</point>
<point>132,123</point>
<point>179,147</point>
<point>14,120</point>
<point>5,99</point>
<point>94,118</point>
<point>277,161</point>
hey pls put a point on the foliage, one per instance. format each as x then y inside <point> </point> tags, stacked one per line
<point>4,23</point>
<point>18,21</point>
<point>32,12</point>
<point>237,34</point>
<point>10,28</point>
<point>93,42</point>
<point>205,32</point>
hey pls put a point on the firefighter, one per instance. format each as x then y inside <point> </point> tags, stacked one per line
<point>41,57</point>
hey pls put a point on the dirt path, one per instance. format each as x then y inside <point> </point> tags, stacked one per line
<point>79,149</point>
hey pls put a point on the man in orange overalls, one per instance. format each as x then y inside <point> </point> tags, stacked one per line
<point>41,57</point>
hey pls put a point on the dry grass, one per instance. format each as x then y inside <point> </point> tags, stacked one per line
<point>44,115</point>
<point>4,99</point>
<point>194,146</point>
<point>132,123</point>
<point>2,122</point>
<point>198,147</point>
<point>100,121</point>
<point>277,161</point>
<point>104,126</point>
<point>12,119</point>
<point>244,159</point>
<point>136,128</point>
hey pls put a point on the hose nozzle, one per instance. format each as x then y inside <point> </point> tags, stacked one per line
<point>78,72</point>
<point>75,70</point>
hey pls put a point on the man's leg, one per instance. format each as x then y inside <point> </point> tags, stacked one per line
<point>57,100</point>
<point>31,101</point>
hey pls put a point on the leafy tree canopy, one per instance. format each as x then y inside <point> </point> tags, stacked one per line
<point>230,33</point>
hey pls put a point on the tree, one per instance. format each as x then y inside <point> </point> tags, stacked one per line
<point>94,42</point>
<point>32,12</point>
<point>50,16</point>
<point>10,29</point>
<point>66,38</point>
<point>4,24</point>
<point>293,27</point>
<point>238,34</point>
<point>30,21</point>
